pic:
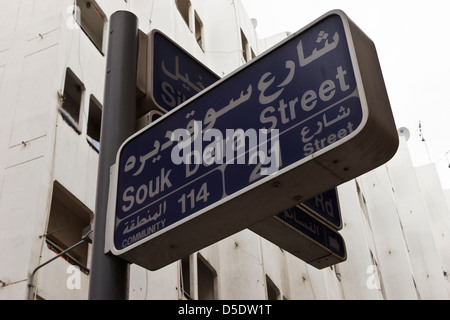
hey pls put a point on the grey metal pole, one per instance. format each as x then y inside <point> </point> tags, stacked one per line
<point>109,274</point>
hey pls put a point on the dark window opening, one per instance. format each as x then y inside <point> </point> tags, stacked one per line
<point>185,278</point>
<point>206,279</point>
<point>71,100</point>
<point>184,7</point>
<point>273,293</point>
<point>68,217</point>
<point>94,123</point>
<point>198,30</point>
<point>247,51</point>
<point>92,21</point>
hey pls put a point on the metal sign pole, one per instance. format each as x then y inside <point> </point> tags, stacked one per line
<point>109,274</point>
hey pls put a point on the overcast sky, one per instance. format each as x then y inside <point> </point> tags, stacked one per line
<point>413,44</point>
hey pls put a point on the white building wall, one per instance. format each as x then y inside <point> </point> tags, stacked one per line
<point>361,283</point>
<point>390,252</point>
<point>416,228</point>
<point>438,214</point>
<point>396,238</point>
<point>28,85</point>
<point>447,196</point>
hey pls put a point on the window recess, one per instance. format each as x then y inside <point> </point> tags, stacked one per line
<point>198,279</point>
<point>199,31</point>
<point>247,51</point>
<point>94,123</point>
<point>71,100</point>
<point>273,293</point>
<point>184,7</point>
<point>68,218</point>
<point>92,21</point>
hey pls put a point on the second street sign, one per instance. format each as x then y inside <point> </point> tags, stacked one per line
<point>325,207</point>
<point>303,236</point>
<point>175,75</point>
<point>306,116</point>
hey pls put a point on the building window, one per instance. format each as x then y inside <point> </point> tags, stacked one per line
<point>94,123</point>
<point>247,51</point>
<point>207,277</point>
<point>91,20</point>
<point>185,278</point>
<point>198,30</point>
<point>68,217</point>
<point>184,7</point>
<point>192,19</point>
<point>71,100</point>
<point>198,279</point>
<point>273,293</point>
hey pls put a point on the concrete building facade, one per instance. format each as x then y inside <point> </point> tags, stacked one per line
<point>52,68</point>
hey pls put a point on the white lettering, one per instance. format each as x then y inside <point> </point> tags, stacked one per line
<point>271,119</point>
<point>183,137</point>
<point>286,111</point>
<point>144,233</point>
<point>206,311</point>
<point>319,144</point>
<point>167,95</point>
<point>128,198</point>
<point>309,100</point>
<point>213,151</point>
<point>233,147</point>
<point>146,191</point>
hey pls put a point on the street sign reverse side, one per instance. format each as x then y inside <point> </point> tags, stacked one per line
<point>304,117</point>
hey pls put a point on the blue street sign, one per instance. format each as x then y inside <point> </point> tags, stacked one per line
<point>167,55</point>
<point>173,67</point>
<point>292,123</point>
<point>175,75</point>
<point>303,236</point>
<point>325,206</point>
